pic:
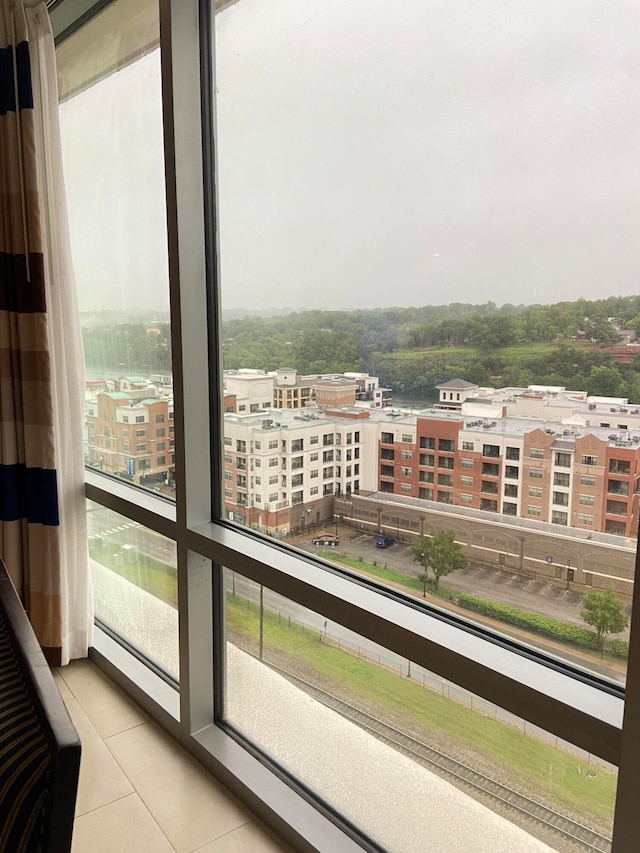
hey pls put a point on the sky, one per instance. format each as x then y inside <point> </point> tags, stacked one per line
<point>374,154</point>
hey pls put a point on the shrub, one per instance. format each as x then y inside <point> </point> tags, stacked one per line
<point>543,625</point>
<point>619,648</point>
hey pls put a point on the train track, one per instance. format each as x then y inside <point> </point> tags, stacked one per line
<point>460,774</point>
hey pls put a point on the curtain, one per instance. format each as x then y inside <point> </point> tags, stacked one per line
<point>42,514</point>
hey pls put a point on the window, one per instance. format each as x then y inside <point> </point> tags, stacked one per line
<point>465,498</point>
<point>536,473</point>
<point>161,460</point>
<point>258,445</point>
<point>314,489</point>
<point>510,491</point>
<point>406,487</point>
<point>159,419</point>
<point>159,433</point>
<point>511,472</point>
<point>313,473</point>
<point>534,492</point>
<point>535,453</point>
<point>509,508</point>
<point>534,510</point>
<point>563,460</point>
<point>312,440</point>
<point>140,433</point>
<point>427,459</point>
<point>406,454</point>
<point>585,519</point>
<point>466,463</point>
<point>560,479</point>
<point>586,500</point>
<point>513,453</point>
<point>160,446</point>
<point>140,419</point>
<point>386,438</point>
<point>273,461</point>
<point>263,560</point>
<point>589,460</point>
<point>558,517</point>
<point>241,446</point>
<point>406,438</point>
<point>561,498</point>
<point>587,480</point>
<point>620,466</point>
<point>228,440</point>
<point>273,444</point>
<point>466,481</point>
<point>273,479</point>
<point>228,475</point>
<point>491,450</point>
<point>313,457</point>
<point>406,472</point>
<point>140,447</point>
<point>427,443</point>
<point>446,445</point>
<point>467,445</point>
<point>445,480</point>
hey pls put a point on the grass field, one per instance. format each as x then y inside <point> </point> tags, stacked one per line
<point>152,575</point>
<point>559,775</point>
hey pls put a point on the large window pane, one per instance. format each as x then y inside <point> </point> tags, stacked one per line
<point>135,584</point>
<point>299,684</point>
<point>371,158</point>
<point>111,121</point>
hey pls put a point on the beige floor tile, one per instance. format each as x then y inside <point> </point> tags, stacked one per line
<point>108,708</point>
<point>124,826</point>
<point>61,684</point>
<point>191,807</point>
<point>101,779</point>
<point>249,838</point>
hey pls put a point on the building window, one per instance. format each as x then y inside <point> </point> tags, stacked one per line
<point>446,445</point>
<point>406,487</point>
<point>563,460</point>
<point>561,498</point>
<point>427,443</point>
<point>589,460</point>
<point>558,517</point>
<point>535,453</point>
<point>467,445</point>
<point>228,475</point>
<point>510,491</point>
<point>466,498</point>
<point>587,480</point>
<point>587,500</point>
<point>140,447</point>
<point>560,479</point>
<point>139,419</point>
<point>140,433</point>
<point>313,490</point>
<point>534,510</point>
<point>535,492</point>
<point>161,460</point>
<point>159,419</point>
<point>160,446</point>
<point>466,481</point>
<point>466,463</point>
<point>228,440</point>
<point>406,454</point>
<point>536,473</point>
<point>620,466</point>
<point>585,519</point>
<point>513,453</point>
<point>406,472</point>
<point>406,438</point>
<point>160,433</point>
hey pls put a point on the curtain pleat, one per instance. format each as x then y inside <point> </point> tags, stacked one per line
<point>30,510</point>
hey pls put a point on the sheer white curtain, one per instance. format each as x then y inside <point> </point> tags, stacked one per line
<point>67,359</point>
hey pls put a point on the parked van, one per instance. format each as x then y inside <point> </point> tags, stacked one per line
<point>384,541</point>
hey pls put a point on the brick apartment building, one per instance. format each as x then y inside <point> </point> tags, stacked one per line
<point>131,434</point>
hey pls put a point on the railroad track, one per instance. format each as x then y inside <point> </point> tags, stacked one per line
<point>462,776</point>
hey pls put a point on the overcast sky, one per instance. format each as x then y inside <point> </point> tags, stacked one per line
<point>376,154</point>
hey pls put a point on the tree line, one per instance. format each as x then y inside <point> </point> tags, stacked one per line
<point>411,349</point>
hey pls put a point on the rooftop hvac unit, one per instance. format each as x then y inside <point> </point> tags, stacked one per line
<point>592,407</point>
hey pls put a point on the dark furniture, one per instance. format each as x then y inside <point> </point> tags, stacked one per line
<point>39,747</point>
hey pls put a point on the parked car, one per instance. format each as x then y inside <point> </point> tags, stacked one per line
<point>326,540</point>
<point>384,541</point>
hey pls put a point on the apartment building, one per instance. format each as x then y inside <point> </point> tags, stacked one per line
<point>131,434</point>
<point>581,477</point>
<point>285,388</point>
<point>281,470</point>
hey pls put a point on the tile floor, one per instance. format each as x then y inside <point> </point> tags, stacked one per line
<point>139,792</point>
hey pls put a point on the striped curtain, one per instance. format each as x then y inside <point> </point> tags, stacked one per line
<point>29,518</point>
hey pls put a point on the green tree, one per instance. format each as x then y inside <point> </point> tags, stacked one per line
<point>604,611</point>
<point>440,553</point>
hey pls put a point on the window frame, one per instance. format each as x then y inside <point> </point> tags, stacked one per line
<point>545,692</point>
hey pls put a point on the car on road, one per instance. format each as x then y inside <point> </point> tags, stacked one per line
<point>384,541</point>
<point>326,540</point>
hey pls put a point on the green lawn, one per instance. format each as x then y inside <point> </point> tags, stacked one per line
<point>560,775</point>
<point>381,572</point>
<point>152,575</point>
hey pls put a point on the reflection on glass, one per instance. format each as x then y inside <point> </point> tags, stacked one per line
<point>381,739</point>
<point>135,584</point>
